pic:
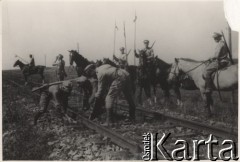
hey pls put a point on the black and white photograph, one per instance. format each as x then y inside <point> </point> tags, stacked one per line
<point>120,80</point>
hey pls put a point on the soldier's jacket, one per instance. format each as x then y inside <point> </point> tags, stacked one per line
<point>32,62</point>
<point>106,74</point>
<point>60,66</point>
<point>122,59</point>
<point>149,52</point>
<point>221,52</point>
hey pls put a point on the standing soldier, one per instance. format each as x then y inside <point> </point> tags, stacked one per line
<point>219,60</point>
<point>113,80</point>
<point>148,51</point>
<point>60,63</point>
<point>122,59</point>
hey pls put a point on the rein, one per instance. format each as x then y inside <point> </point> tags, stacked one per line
<point>190,69</point>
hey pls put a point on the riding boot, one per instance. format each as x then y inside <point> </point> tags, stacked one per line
<point>208,85</point>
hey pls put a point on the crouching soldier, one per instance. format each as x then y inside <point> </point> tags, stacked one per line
<point>89,87</point>
<point>58,94</point>
<point>113,80</point>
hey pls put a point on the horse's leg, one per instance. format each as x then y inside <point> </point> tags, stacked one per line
<point>25,78</point>
<point>140,95</point>
<point>206,99</point>
<point>43,78</point>
<point>147,90</point>
<point>179,97</point>
<point>154,92</point>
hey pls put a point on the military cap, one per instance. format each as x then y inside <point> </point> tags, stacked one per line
<point>146,41</point>
<point>217,35</point>
<point>121,49</point>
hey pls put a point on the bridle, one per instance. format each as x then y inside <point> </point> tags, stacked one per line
<point>176,67</point>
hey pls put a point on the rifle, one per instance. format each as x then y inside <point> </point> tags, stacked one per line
<point>73,81</point>
<point>46,86</point>
<point>152,45</point>
<point>129,52</point>
<point>229,52</point>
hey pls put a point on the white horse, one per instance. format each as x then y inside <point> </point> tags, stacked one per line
<point>225,80</point>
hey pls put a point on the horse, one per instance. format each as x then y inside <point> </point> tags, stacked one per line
<point>225,79</point>
<point>27,72</point>
<point>80,61</point>
<point>162,70</point>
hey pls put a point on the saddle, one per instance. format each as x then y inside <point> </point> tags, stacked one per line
<point>221,68</point>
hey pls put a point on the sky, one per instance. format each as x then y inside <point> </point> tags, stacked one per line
<point>47,28</point>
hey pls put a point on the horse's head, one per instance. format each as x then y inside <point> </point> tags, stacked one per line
<point>16,63</point>
<point>72,56</point>
<point>174,71</point>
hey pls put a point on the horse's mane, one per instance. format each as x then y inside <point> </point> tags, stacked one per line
<point>162,63</point>
<point>189,60</point>
<point>110,62</point>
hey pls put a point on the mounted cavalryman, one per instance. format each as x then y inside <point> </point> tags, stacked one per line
<point>148,51</point>
<point>219,60</point>
<point>60,63</point>
<point>122,59</point>
<point>31,63</point>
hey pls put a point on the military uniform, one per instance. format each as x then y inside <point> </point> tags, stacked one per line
<point>219,60</point>
<point>115,80</point>
<point>60,68</point>
<point>31,64</point>
<point>148,51</point>
<point>58,94</point>
<point>122,59</point>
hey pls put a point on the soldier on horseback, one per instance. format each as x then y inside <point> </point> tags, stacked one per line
<point>148,51</point>
<point>219,60</point>
<point>31,63</point>
<point>122,59</point>
<point>60,63</point>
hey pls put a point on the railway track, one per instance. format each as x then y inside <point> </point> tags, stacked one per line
<point>134,145</point>
<point>219,132</point>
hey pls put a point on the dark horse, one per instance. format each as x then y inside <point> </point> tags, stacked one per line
<point>27,72</point>
<point>80,61</point>
<point>154,73</point>
<point>162,70</point>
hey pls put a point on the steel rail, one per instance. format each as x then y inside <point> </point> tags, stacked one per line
<point>220,132</point>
